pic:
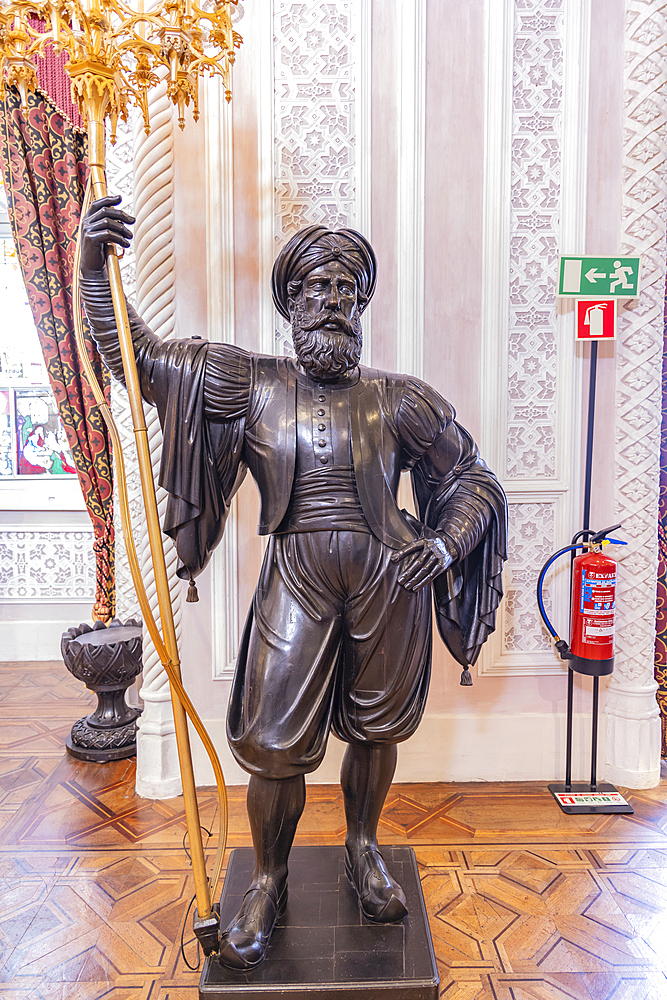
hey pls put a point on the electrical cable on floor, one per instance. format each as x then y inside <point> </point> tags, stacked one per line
<point>193,968</point>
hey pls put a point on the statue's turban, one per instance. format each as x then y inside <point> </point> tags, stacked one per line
<point>315,246</point>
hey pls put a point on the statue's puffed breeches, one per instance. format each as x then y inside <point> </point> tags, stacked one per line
<point>332,642</point>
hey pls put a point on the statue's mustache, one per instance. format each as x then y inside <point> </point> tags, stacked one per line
<point>318,322</point>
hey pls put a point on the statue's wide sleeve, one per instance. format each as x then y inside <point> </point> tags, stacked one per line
<point>460,499</point>
<point>201,393</point>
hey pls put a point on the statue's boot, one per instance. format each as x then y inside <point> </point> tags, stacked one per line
<point>366,776</point>
<point>244,943</point>
<point>380,896</point>
<point>274,809</point>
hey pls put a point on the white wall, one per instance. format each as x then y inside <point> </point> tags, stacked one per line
<point>510,725</point>
<point>47,567</point>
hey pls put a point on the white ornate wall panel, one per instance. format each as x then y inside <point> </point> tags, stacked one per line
<point>126,599</point>
<point>120,179</point>
<point>536,122</point>
<point>535,203</point>
<point>320,99</point>
<point>46,565</point>
<point>633,749</point>
<point>531,540</point>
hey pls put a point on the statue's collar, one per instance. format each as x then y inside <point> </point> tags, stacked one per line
<point>346,381</point>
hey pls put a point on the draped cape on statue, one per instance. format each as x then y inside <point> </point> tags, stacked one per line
<point>201,465</point>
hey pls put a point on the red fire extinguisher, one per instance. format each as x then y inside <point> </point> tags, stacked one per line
<point>591,649</point>
<point>593,609</point>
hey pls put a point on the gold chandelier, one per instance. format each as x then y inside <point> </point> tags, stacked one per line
<point>116,55</point>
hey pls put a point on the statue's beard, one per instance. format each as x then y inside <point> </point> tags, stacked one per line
<point>326,354</point>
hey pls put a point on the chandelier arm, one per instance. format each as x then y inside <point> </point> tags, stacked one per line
<point>130,45</point>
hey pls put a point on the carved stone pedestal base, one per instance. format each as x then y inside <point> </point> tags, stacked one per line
<point>102,745</point>
<point>107,660</point>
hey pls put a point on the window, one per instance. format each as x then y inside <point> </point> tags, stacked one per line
<point>32,438</point>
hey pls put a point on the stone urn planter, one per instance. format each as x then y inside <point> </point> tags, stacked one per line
<point>107,659</point>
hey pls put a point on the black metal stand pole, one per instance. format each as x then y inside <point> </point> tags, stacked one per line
<point>589,436</point>
<point>568,745</point>
<point>586,519</point>
<point>594,740</point>
<point>571,805</point>
<point>588,478</point>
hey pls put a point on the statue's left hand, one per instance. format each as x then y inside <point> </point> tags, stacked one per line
<point>104,223</point>
<point>423,560</point>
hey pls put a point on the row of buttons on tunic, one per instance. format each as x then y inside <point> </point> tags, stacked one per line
<point>321,412</point>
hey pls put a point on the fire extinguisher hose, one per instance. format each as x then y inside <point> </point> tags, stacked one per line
<point>599,538</point>
<point>540,584</point>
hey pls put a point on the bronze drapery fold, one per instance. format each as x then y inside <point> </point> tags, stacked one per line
<point>43,160</point>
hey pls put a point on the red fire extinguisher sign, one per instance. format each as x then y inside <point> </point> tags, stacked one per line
<point>596,320</point>
<point>593,606</point>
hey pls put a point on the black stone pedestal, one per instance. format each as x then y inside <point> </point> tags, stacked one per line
<point>323,945</point>
<point>107,659</point>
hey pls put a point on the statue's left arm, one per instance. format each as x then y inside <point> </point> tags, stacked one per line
<point>201,392</point>
<point>463,506</point>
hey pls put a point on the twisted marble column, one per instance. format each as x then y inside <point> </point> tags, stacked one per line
<point>158,773</point>
<point>633,724</point>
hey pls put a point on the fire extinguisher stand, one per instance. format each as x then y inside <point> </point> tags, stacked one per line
<point>596,797</point>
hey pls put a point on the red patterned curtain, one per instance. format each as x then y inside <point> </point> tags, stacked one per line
<point>661,606</point>
<point>43,160</point>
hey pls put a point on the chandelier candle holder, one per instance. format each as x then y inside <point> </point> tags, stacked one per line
<point>116,55</point>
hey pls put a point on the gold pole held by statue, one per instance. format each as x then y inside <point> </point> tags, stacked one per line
<point>114,55</point>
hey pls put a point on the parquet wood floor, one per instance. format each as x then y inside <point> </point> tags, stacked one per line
<point>525,903</point>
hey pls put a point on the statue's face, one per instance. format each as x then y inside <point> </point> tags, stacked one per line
<point>330,293</point>
<point>326,324</point>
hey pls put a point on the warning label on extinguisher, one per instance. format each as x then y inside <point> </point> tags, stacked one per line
<point>594,627</point>
<point>598,589</point>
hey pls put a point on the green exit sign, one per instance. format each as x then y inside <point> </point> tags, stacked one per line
<point>584,277</point>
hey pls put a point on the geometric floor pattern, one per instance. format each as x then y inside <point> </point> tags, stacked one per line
<point>524,902</point>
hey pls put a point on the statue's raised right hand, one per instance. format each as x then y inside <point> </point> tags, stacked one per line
<point>104,223</point>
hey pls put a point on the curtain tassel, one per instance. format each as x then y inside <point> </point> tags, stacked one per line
<point>193,596</point>
<point>466,677</point>
<point>104,598</point>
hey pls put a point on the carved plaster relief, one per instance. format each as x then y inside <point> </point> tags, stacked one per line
<point>46,565</point>
<point>537,66</point>
<point>639,348</point>
<point>531,541</point>
<point>534,237</point>
<point>633,745</point>
<point>316,75</point>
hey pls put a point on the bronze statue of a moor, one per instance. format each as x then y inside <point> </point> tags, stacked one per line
<point>339,633</point>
